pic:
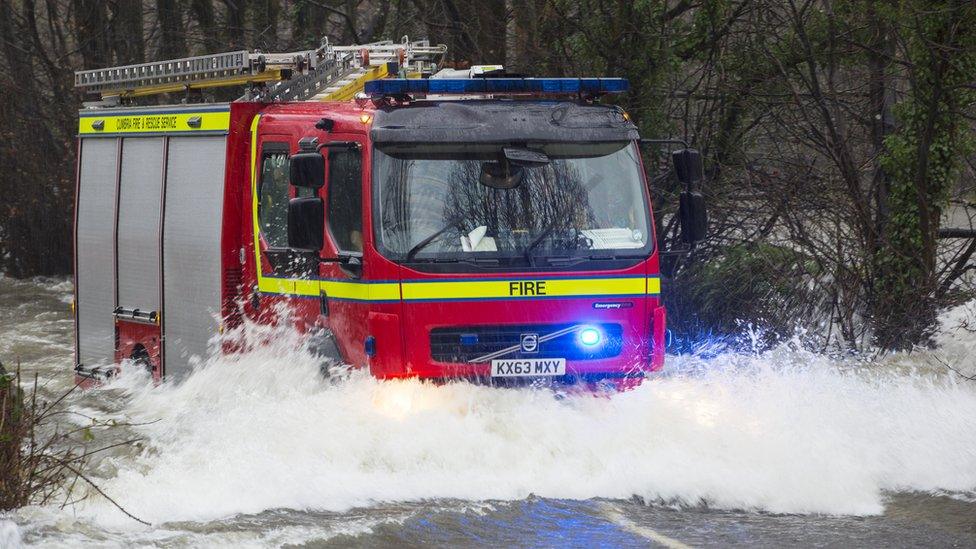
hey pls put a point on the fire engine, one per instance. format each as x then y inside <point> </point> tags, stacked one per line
<point>415,220</point>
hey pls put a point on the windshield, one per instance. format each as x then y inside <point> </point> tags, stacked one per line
<point>471,202</point>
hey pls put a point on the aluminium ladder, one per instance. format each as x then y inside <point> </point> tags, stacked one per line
<point>327,73</point>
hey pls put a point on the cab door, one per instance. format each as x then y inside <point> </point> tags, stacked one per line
<point>343,293</point>
<point>274,192</point>
<point>283,274</point>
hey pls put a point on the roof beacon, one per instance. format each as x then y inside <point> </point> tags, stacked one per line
<point>498,86</point>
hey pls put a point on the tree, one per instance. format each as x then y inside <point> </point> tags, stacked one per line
<point>922,157</point>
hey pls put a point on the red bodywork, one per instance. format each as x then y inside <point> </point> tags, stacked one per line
<point>142,341</point>
<point>399,328</point>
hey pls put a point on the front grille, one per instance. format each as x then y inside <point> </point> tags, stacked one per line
<point>465,343</point>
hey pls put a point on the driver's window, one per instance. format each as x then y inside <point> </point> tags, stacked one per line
<point>273,196</point>
<point>345,208</point>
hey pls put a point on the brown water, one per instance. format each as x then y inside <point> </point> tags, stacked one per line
<point>763,449</point>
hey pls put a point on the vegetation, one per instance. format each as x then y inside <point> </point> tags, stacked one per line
<point>837,133</point>
<point>41,462</point>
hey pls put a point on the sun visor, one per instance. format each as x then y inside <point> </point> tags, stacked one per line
<point>500,122</point>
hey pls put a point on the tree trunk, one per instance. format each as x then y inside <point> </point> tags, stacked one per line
<point>266,24</point>
<point>235,25</point>
<point>172,40</point>
<point>127,38</point>
<point>93,32</point>
<point>203,13</point>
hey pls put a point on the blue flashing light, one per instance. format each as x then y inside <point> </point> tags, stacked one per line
<point>477,86</point>
<point>469,339</point>
<point>590,336</point>
<point>613,85</point>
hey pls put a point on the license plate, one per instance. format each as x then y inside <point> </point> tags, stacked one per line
<point>528,367</point>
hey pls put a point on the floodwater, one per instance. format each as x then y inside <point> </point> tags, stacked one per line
<point>777,448</point>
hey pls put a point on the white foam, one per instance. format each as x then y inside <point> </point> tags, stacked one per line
<point>10,535</point>
<point>956,340</point>
<point>783,431</point>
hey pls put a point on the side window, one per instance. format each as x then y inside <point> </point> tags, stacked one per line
<point>345,208</point>
<point>273,196</point>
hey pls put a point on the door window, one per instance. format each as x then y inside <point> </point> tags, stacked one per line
<point>273,196</point>
<point>345,208</point>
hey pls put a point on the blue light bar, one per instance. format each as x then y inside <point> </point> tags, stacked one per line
<point>512,86</point>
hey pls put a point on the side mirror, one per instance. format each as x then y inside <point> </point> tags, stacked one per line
<point>693,216</point>
<point>307,169</point>
<point>687,165</point>
<point>306,218</point>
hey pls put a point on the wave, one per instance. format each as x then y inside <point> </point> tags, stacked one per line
<point>782,431</point>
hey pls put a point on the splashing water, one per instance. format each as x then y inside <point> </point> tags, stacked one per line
<point>782,431</point>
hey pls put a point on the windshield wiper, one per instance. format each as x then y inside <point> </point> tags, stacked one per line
<point>535,242</point>
<point>426,242</point>
<point>612,256</point>
<point>579,237</point>
<point>564,260</point>
<point>570,260</point>
<point>432,260</point>
<point>481,261</point>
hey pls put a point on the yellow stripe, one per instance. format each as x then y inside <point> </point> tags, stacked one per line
<point>467,289</point>
<point>556,287</point>
<point>387,291</point>
<point>345,290</point>
<point>276,285</point>
<point>254,199</point>
<point>154,123</point>
<point>653,286</point>
<point>306,287</point>
<point>359,291</point>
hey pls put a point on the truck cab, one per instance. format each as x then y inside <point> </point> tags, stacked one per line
<point>462,238</point>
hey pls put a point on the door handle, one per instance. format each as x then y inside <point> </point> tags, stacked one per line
<point>323,303</point>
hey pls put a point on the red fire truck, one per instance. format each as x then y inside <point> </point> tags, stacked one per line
<point>415,222</point>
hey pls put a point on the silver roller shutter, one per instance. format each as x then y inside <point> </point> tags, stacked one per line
<point>96,252</point>
<point>138,240</point>
<point>191,248</point>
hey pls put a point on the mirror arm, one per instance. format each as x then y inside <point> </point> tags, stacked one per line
<point>310,144</point>
<point>669,141</point>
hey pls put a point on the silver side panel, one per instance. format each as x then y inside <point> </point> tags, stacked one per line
<point>138,240</point>
<point>191,248</point>
<point>96,252</point>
